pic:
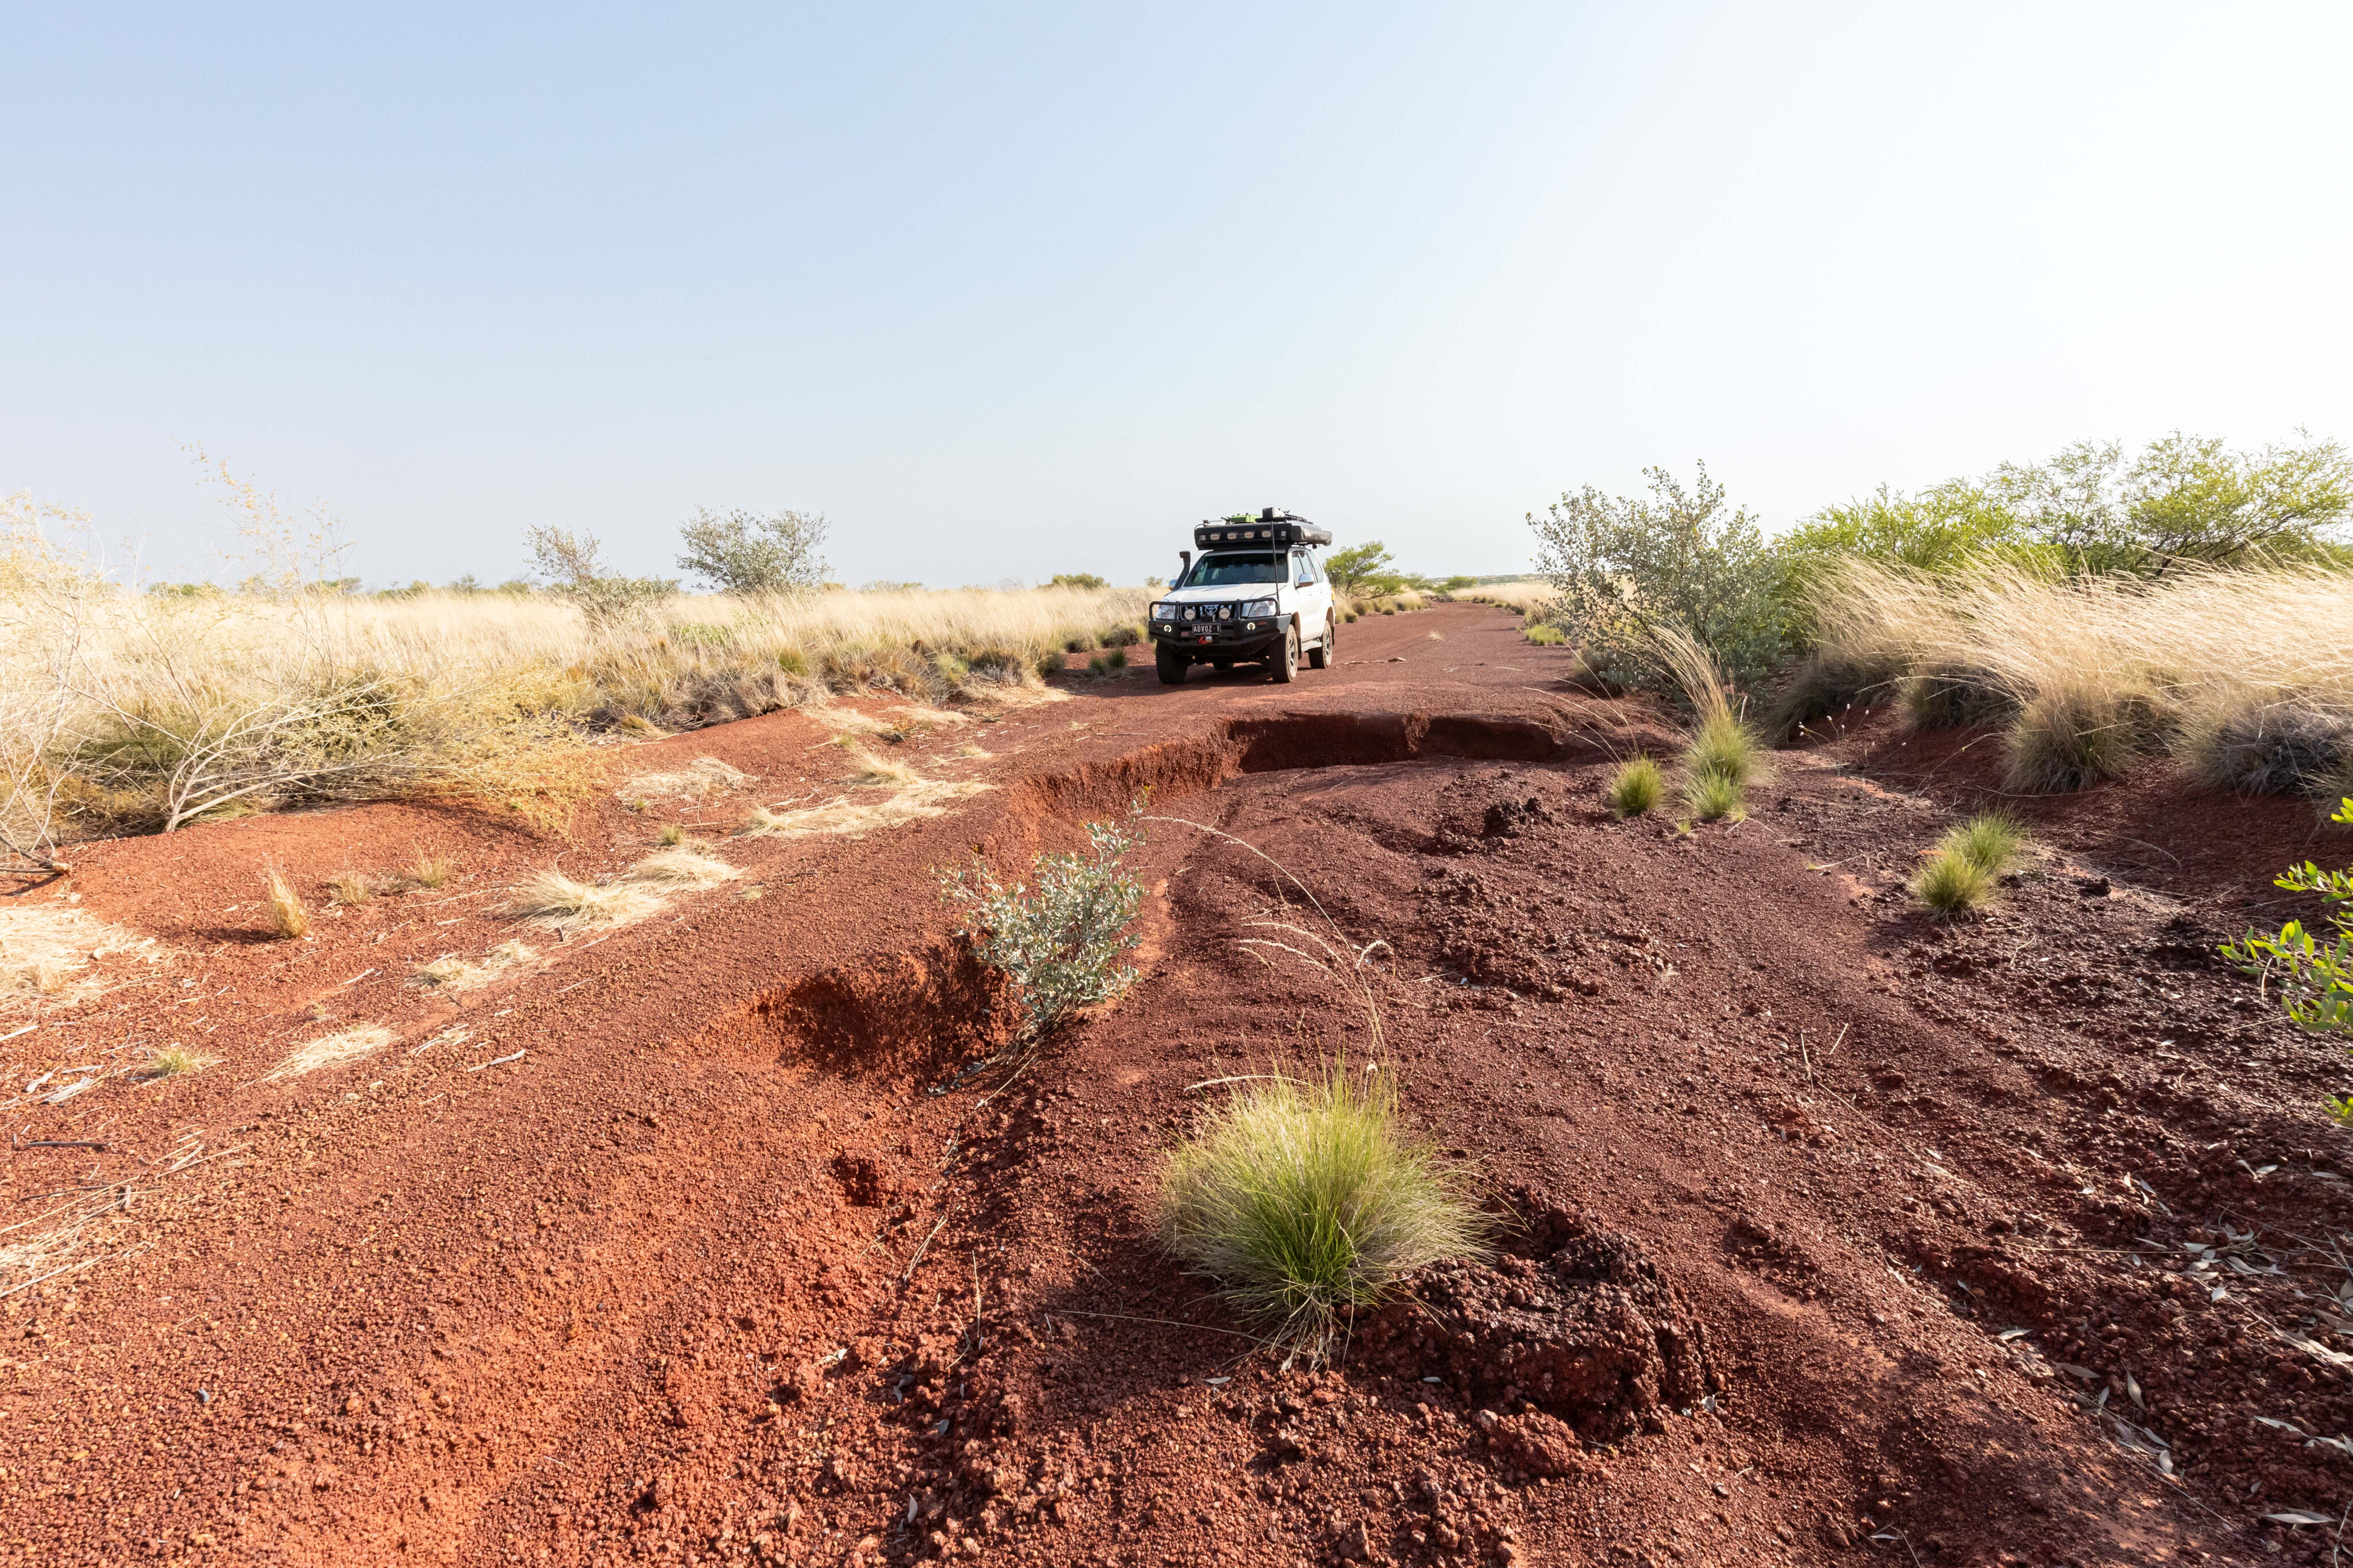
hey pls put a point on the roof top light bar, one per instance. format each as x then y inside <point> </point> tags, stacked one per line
<point>1270,528</point>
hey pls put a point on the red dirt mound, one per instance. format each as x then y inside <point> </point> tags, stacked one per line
<point>1840,1231</point>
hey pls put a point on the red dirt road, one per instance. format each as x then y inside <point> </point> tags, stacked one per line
<point>676,1243</point>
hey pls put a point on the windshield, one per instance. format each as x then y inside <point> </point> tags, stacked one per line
<point>1231,566</point>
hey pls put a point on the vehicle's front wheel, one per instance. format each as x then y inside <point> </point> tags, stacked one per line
<point>1171,665</point>
<point>1285,663</point>
<point>1320,656</point>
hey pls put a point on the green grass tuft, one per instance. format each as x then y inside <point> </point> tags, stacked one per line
<point>1714,796</point>
<point>1637,787</point>
<point>1964,872</point>
<point>1720,745</point>
<point>1992,840</point>
<point>1953,884</point>
<point>1307,1200</point>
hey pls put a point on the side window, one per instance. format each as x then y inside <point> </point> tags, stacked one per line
<point>1315,565</point>
<point>1302,570</point>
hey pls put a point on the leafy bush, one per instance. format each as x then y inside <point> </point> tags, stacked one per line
<point>1307,1200</point>
<point>1077,580</point>
<point>1545,635</point>
<point>1059,942</point>
<point>573,565</point>
<point>2315,971</point>
<point>2184,499</point>
<point>1682,560</point>
<point>744,552</point>
<point>1368,570</point>
<point>1637,787</point>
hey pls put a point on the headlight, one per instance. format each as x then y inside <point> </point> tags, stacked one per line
<point>1188,613</point>
<point>1161,611</point>
<point>1259,607</point>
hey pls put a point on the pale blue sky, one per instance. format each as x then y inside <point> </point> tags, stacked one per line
<point>1020,289</point>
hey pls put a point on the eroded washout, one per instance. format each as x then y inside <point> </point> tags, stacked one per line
<point>1826,1229</point>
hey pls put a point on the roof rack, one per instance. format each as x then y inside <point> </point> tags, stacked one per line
<point>1269,528</point>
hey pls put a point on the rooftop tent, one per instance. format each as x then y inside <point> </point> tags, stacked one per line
<point>1269,528</point>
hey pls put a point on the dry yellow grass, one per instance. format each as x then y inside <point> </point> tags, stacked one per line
<point>429,872</point>
<point>699,778</point>
<point>1531,596</point>
<point>866,768</point>
<point>49,953</point>
<point>568,907</point>
<point>331,1050</point>
<point>683,868</point>
<point>853,816</point>
<point>287,917</point>
<point>452,974</point>
<point>295,695</point>
<point>2247,673</point>
<point>173,1061</point>
<point>348,887</point>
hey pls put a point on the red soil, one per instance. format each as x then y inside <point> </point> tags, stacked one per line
<point>710,1268</point>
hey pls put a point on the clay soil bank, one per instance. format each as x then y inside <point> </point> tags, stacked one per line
<point>1836,1234</point>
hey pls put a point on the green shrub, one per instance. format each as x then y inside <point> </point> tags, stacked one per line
<point>1107,664</point>
<point>1076,580</point>
<point>1626,568</point>
<point>1059,939</point>
<point>1545,635</point>
<point>2315,972</point>
<point>1306,1200</point>
<point>1122,637</point>
<point>1637,787</point>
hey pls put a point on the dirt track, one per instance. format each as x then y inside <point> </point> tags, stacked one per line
<point>710,1273</point>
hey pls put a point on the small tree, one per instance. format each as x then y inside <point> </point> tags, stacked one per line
<point>1077,580</point>
<point>744,552</point>
<point>570,564</point>
<point>1682,559</point>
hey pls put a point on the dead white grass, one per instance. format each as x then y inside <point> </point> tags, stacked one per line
<point>1015,697</point>
<point>866,768</point>
<point>683,868</point>
<point>702,777</point>
<point>914,718</point>
<point>331,1050</point>
<point>847,722</point>
<point>854,817</point>
<point>567,906</point>
<point>49,953</point>
<point>451,974</point>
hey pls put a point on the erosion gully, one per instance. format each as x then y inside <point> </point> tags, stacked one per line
<point>1832,1232</point>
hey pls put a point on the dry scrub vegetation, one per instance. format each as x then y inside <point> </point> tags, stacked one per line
<point>123,710</point>
<point>2244,672</point>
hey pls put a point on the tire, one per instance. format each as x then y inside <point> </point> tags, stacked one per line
<point>1320,656</point>
<point>1173,666</point>
<point>1284,664</point>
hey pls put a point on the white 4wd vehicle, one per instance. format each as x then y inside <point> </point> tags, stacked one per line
<point>1257,591</point>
